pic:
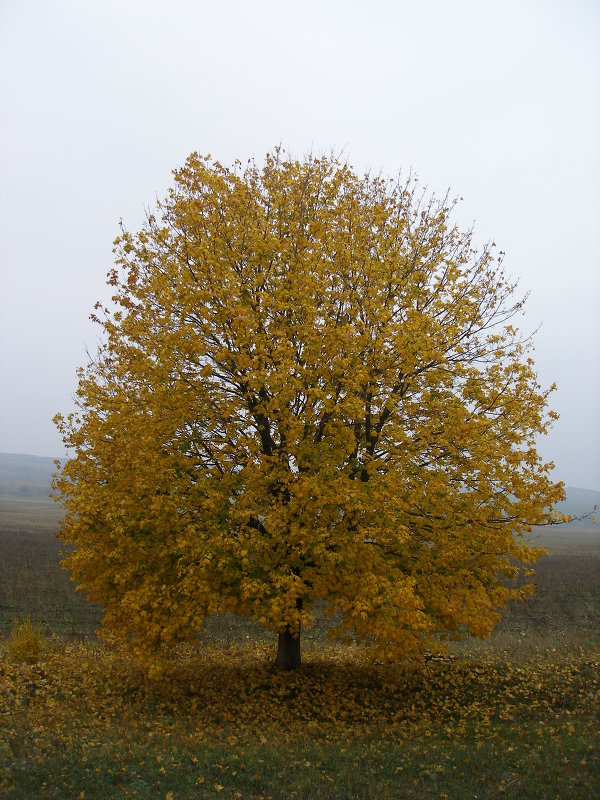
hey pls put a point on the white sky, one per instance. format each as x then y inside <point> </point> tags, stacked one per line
<point>497,100</point>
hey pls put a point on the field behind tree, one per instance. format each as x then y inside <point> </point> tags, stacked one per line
<point>514,716</point>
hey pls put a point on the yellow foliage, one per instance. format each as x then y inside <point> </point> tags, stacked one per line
<point>312,389</point>
<point>26,642</point>
<point>232,695</point>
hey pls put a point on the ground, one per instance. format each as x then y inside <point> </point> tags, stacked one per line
<point>516,716</point>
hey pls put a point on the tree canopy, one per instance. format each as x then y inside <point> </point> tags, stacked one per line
<point>311,390</point>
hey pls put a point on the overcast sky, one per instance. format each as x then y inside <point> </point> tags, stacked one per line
<point>100,99</point>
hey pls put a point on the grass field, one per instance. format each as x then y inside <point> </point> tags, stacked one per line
<point>515,716</point>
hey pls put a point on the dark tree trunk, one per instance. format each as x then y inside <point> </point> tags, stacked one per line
<point>288,646</point>
<point>288,651</point>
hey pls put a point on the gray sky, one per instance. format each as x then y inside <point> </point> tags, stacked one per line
<point>497,101</point>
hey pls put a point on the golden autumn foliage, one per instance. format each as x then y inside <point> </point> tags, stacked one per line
<point>26,642</point>
<point>311,389</point>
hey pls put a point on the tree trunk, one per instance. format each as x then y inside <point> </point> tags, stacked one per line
<point>288,651</point>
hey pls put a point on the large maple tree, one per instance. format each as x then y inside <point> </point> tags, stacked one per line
<point>311,389</point>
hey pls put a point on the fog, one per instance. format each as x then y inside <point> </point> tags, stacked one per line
<point>497,102</point>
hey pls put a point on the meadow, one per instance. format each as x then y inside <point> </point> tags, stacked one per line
<point>514,716</point>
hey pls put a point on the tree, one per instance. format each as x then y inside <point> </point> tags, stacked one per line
<point>310,388</point>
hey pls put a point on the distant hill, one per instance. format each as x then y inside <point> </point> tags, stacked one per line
<point>579,502</point>
<point>30,477</point>
<point>23,476</point>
